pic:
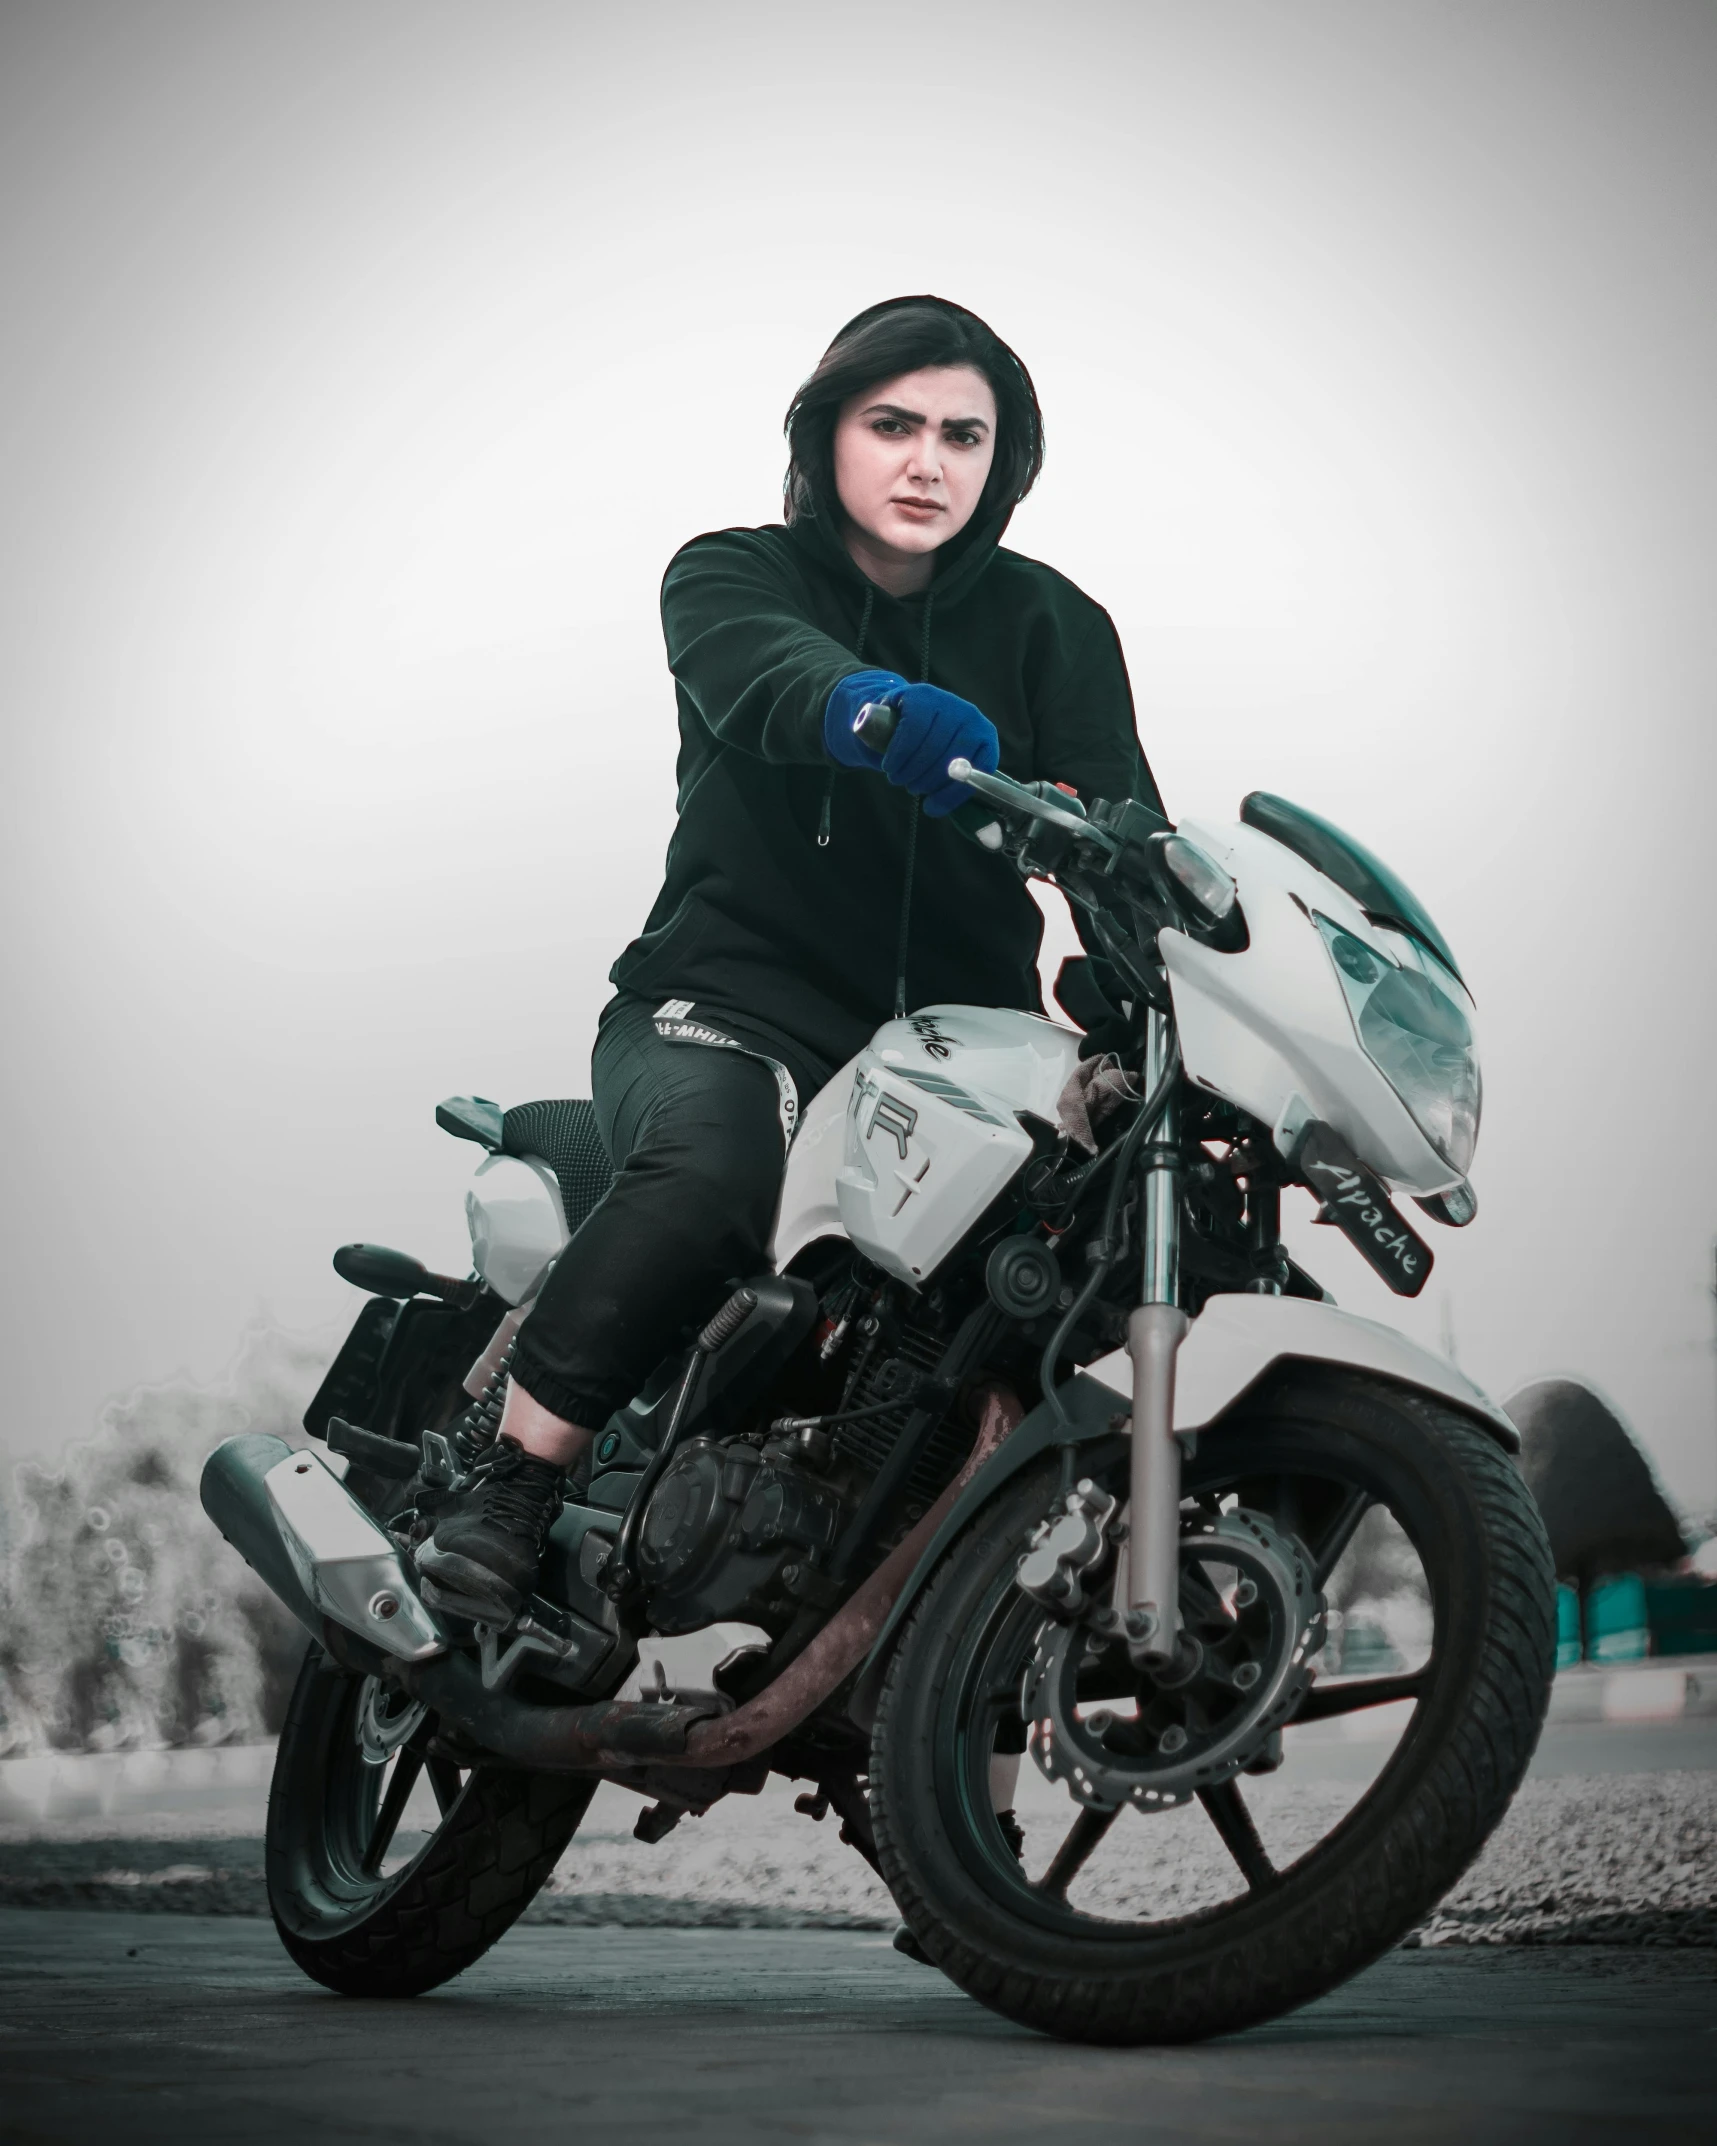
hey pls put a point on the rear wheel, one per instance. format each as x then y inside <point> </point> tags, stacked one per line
<point>1164,1892</point>
<point>390,1867</point>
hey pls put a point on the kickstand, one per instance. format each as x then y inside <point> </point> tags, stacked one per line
<point>656,1821</point>
<point>848,1799</point>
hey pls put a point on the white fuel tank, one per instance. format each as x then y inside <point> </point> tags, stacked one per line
<point>932,1132</point>
<point>809,1209</point>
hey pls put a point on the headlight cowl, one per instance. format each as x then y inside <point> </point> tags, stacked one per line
<point>1413,1028</point>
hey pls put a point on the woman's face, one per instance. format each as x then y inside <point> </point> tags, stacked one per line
<point>912,455</point>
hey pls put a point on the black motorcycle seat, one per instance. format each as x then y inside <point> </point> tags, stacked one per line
<point>565,1136</point>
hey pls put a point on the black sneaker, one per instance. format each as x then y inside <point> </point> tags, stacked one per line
<point>482,1559</point>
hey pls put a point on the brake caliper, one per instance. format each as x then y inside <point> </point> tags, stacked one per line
<point>1069,1549</point>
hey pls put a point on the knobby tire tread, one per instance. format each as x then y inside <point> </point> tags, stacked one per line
<point>486,1862</point>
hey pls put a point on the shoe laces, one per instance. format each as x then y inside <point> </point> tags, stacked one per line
<point>521,1493</point>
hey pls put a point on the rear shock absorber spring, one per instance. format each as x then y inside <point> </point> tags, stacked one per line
<point>478,1428</point>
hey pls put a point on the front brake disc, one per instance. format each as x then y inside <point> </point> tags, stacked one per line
<point>1251,1619</point>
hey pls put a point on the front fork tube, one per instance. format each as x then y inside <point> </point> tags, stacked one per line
<point>1154,1334</point>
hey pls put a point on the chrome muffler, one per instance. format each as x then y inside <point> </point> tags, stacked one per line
<point>300,1530</point>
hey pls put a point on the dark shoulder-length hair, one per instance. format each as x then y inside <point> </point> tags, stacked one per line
<point>899,336</point>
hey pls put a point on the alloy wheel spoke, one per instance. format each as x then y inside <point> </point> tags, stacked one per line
<point>1351,1695</point>
<point>1286,1510</point>
<point>1070,1858</point>
<point>404,1779</point>
<point>1340,1532</point>
<point>444,1779</point>
<point>1233,1821</point>
<point>1206,1596</point>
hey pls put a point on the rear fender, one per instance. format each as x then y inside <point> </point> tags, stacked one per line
<point>1232,1344</point>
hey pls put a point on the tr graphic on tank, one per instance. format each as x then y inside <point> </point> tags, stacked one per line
<point>1034,1472</point>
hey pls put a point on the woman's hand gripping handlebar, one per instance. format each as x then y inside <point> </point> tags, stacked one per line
<point>874,727</point>
<point>910,733</point>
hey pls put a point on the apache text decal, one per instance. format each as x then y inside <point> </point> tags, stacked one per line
<point>935,1040</point>
<point>1355,1201</point>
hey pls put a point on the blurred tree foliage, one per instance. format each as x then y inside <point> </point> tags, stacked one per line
<point>1602,1507</point>
<point>1377,1598</point>
<point>125,1620</point>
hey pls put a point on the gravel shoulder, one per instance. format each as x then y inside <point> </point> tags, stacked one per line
<point>1612,1840</point>
<point>1616,1859</point>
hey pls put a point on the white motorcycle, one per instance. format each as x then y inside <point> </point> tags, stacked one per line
<point>1034,1467</point>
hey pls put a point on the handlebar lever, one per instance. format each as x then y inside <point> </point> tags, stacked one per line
<point>1015,797</point>
<point>874,726</point>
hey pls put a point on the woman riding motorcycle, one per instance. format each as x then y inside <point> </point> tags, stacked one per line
<point>806,900</point>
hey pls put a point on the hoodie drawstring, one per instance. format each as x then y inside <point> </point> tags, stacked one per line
<point>858,655</point>
<point>913,805</point>
<point>915,808</point>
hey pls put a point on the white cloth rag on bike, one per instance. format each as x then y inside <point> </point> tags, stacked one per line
<point>1095,1088</point>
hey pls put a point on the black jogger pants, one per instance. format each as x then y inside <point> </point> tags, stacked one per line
<point>694,1131</point>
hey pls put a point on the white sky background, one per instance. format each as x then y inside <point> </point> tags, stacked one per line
<point>364,366</point>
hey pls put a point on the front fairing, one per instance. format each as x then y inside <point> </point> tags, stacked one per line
<point>1268,1028</point>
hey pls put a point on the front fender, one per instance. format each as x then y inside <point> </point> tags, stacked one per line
<point>1228,1348</point>
<point>1236,1339</point>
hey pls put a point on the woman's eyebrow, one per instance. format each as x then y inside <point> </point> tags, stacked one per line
<point>916,417</point>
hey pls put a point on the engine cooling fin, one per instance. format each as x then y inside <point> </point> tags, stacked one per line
<point>917,1350</point>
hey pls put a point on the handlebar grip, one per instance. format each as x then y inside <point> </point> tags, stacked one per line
<point>875,724</point>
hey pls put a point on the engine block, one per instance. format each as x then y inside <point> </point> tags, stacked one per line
<point>732,1533</point>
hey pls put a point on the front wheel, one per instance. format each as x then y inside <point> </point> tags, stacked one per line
<point>391,1868</point>
<point>1155,1898</point>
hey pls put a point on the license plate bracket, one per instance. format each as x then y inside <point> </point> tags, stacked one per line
<point>1355,1200</point>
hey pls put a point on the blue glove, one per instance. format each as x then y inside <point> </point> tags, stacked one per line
<point>843,706</point>
<point>934,728</point>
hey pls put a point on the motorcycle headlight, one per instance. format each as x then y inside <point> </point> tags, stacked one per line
<point>1412,1027</point>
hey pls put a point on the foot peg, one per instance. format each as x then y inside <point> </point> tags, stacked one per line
<point>552,1642</point>
<point>390,1457</point>
<point>438,1464</point>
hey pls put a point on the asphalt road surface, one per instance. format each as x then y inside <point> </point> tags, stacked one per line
<point>150,2028</point>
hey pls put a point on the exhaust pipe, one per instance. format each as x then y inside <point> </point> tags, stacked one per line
<point>298,1527</point>
<point>849,1635</point>
<point>610,1736</point>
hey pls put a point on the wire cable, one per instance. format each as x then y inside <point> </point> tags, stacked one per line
<point>1125,1152</point>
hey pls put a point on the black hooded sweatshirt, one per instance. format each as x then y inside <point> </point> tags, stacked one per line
<point>783,900</point>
